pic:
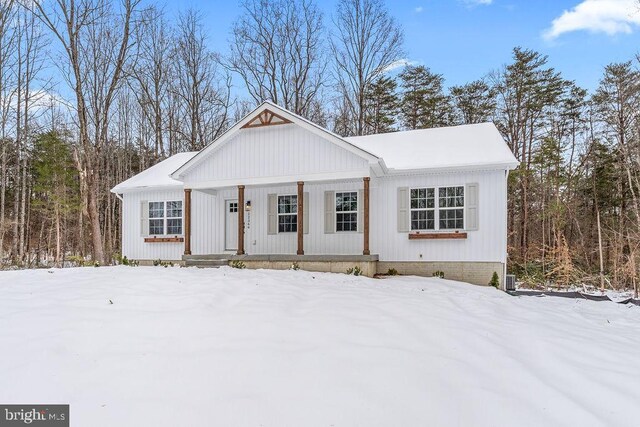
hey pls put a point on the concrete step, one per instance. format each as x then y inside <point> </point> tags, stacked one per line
<point>215,257</point>
<point>206,263</point>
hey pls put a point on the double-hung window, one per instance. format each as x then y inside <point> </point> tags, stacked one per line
<point>423,209</point>
<point>165,218</point>
<point>437,208</point>
<point>347,211</point>
<point>451,208</point>
<point>287,214</point>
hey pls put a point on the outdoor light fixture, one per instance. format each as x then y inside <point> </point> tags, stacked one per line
<point>247,206</point>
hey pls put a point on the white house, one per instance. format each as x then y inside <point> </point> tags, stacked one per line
<point>277,189</point>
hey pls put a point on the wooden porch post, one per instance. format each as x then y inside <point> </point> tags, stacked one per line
<point>365,230</point>
<point>240,220</point>
<point>187,221</point>
<point>300,211</point>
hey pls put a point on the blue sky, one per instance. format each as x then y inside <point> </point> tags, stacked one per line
<point>465,39</point>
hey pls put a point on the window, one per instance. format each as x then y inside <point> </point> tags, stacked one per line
<point>449,214</point>
<point>451,208</point>
<point>423,209</point>
<point>287,214</point>
<point>347,211</point>
<point>233,207</point>
<point>165,217</point>
<point>156,218</point>
<point>174,217</point>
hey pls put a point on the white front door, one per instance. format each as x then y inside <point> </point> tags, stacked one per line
<point>231,225</point>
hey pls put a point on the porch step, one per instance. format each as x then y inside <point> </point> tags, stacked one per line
<point>206,263</point>
<point>220,257</point>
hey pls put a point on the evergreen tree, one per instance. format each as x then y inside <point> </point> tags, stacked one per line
<point>527,92</point>
<point>381,106</point>
<point>473,102</point>
<point>55,184</point>
<point>424,103</point>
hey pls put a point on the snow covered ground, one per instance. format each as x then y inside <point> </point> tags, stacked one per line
<point>191,347</point>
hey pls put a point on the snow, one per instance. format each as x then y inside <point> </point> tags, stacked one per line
<point>187,346</point>
<point>475,145</point>
<point>157,175</point>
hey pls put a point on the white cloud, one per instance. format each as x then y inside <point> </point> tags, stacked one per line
<point>472,3</point>
<point>399,64</point>
<point>418,9</point>
<point>596,16</point>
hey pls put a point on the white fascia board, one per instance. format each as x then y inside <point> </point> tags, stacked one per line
<point>146,188</point>
<point>278,180</point>
<point>445,169</point>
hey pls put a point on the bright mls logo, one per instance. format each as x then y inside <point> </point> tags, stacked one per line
<point>35,415</point>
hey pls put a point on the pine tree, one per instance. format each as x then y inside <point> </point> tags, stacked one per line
<point>424,103</point>
<point>473,102</point>
<point>381,106</point>
<point>55,185</point>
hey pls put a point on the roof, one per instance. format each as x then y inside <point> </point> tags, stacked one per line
<point>475,145</point>
<point>157,176</point>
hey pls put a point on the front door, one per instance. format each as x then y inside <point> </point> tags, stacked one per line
<point>231,225</point>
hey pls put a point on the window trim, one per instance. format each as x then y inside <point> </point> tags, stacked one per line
<point>436,209</point>
<point>278,214</point>
<point>164,217</point>
<point>336,212</point>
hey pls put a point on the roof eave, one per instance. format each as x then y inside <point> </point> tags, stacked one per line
<point>122,190</point>
<point>454,168</point>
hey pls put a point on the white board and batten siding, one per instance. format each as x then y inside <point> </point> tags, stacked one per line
<point>485,221</point>
<point>274,151</point>
<point>134,232</point>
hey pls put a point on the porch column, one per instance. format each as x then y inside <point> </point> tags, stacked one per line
<point>300,211</point>
<point>240,220</point>
<point>187,221</point>
<point>365,227</point>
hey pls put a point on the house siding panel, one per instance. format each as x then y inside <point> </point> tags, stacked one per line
<point>283,150</point>
<point>133,244</point>
<point>487,243</point>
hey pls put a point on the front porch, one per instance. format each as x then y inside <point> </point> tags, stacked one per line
<point>272,222</point>
<point>321,263</point>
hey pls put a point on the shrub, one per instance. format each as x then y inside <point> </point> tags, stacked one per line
<point>356,271</point>
<point>123,260</point>
<point>438,273</point>
<point>495,281</point>
<point>392,272</point>
<point>238,264</point>
<point>161,263</point>
<point>78,261</point>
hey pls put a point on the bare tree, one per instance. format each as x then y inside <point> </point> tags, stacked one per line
<point>367,42</point>
<point>7,47</point>
<point>278,51</point>
<point>96,43</point>
<point>29,63</point>
<point>152,73</point>
<point>203,92</point>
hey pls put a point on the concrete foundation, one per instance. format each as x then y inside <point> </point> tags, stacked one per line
<point>477,273</point>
